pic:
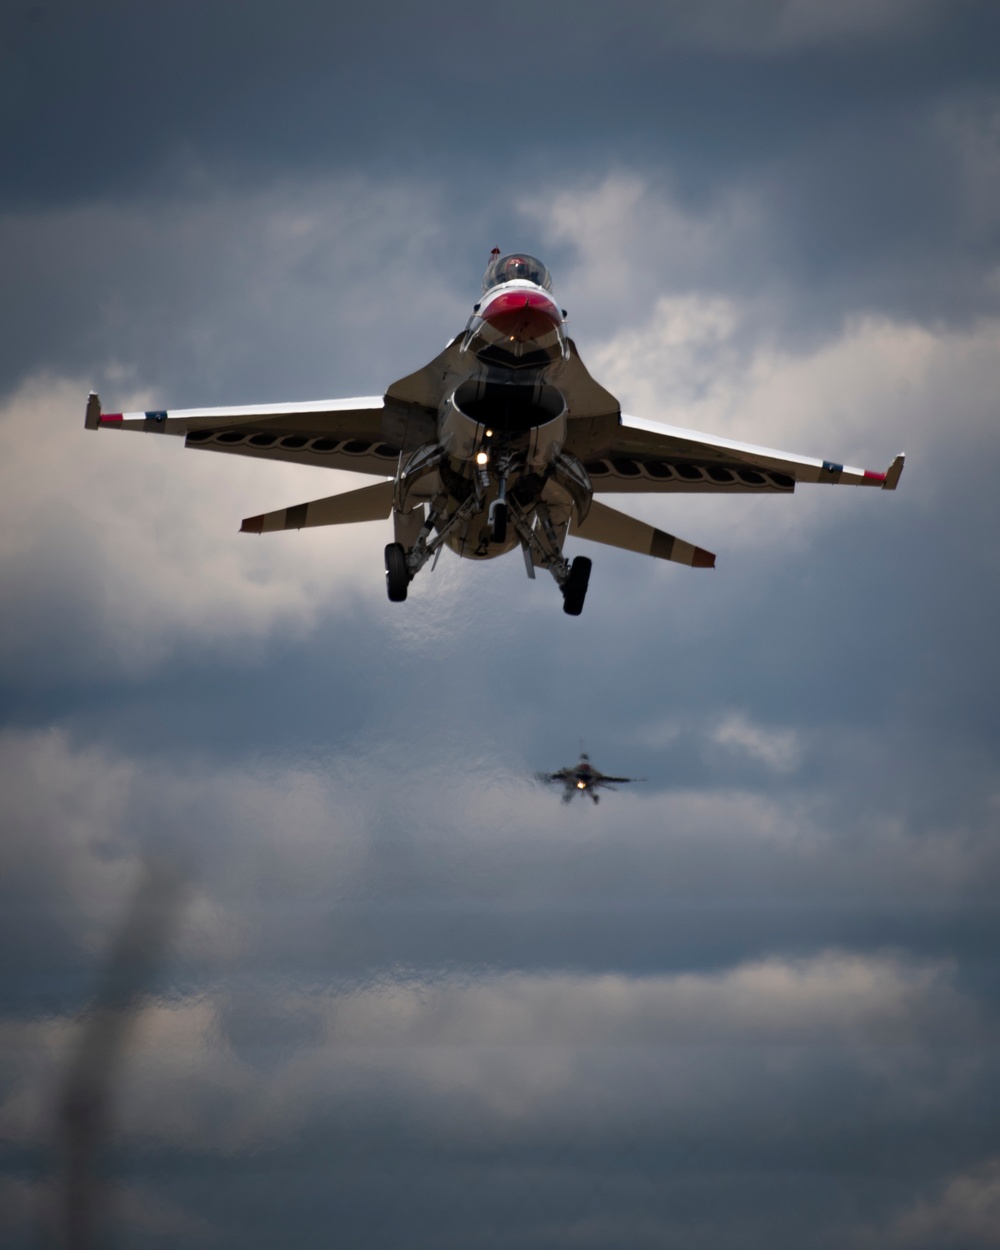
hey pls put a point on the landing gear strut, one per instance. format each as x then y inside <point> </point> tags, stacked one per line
<point>498,509</point>
<point>397,576</point>
<point>543,544</point>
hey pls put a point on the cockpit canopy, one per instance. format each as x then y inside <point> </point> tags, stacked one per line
<point>516,265</point>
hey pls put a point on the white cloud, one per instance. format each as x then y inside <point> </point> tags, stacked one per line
<point>84,826</point>
<point>630,238</point>
<point>514,1048</point>
<point>687,355</point>
<point>125,548</point>
<point>65,829</point>
<point>831,997</point>
<point>776,749</point>
<point>966,1213</point>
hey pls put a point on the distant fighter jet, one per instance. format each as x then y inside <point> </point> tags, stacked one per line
<point>502,441</point>
<point>584,778</point>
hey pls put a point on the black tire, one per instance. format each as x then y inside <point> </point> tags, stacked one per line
<point>499,523</point>
<point>575,590</point>
<point>397,577</point>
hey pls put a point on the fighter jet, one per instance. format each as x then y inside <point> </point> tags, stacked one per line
<point>584,778</point>
<point>501,442</point>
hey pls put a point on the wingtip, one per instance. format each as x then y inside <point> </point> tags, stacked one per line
<point>894,472</point>
<point>92,421</point>
<point>252,525</point>
<point>703,559</point>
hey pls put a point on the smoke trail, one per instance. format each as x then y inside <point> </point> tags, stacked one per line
<point>76,1215</point>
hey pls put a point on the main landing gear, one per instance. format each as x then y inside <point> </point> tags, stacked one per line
<point>574,588</point>
<point>541,540</point>
<point>397,575</point>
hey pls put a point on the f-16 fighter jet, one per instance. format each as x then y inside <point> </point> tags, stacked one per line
<point>584,778</point>
<point>501,442</point>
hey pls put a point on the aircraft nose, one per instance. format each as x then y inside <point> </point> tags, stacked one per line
<point>522,315</point>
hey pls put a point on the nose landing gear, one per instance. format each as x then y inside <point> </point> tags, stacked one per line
<point>498,521</point>
<point>498,508</point>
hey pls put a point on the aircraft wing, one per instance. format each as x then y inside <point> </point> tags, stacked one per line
<point>607,525</point>
<point>618,780</point>
<point>331,433</point>
<point>638,455</point>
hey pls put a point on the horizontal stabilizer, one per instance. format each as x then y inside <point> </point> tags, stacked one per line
<point>370,503</point>
<point>894,473</point>
<point>615,529</point>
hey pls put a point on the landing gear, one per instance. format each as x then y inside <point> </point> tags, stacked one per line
<point>542,542</point>
<point>498,509</point>
<point>575,587</point>
<point>498,522</point>
<point>397,576</point>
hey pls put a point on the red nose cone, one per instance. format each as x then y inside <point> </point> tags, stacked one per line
<point>522,315</point>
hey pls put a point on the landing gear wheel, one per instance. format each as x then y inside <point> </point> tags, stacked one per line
<point>499,534</point>
<point>397,576</point>
<point>575,589</point>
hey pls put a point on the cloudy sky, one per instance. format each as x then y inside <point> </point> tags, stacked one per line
<point>278,894</point>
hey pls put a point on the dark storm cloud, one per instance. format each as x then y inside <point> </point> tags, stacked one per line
<point>266,85</point>
<point>296,286</point>
<point>857,135</point>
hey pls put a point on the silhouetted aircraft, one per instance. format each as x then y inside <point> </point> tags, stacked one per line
<point>584,778</point>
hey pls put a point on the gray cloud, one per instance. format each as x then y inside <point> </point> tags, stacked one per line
<point>870,192</point>
<point>381,966</point>
<point>465,1105</point>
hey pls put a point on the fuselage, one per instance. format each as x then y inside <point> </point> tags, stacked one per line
<point>501,423</point>
<point>581,779</point>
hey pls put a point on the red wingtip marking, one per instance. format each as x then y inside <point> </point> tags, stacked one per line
<point>875,477</point>
<point>703,559</point>
<point>112,416</point>
<point>252,525</point>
